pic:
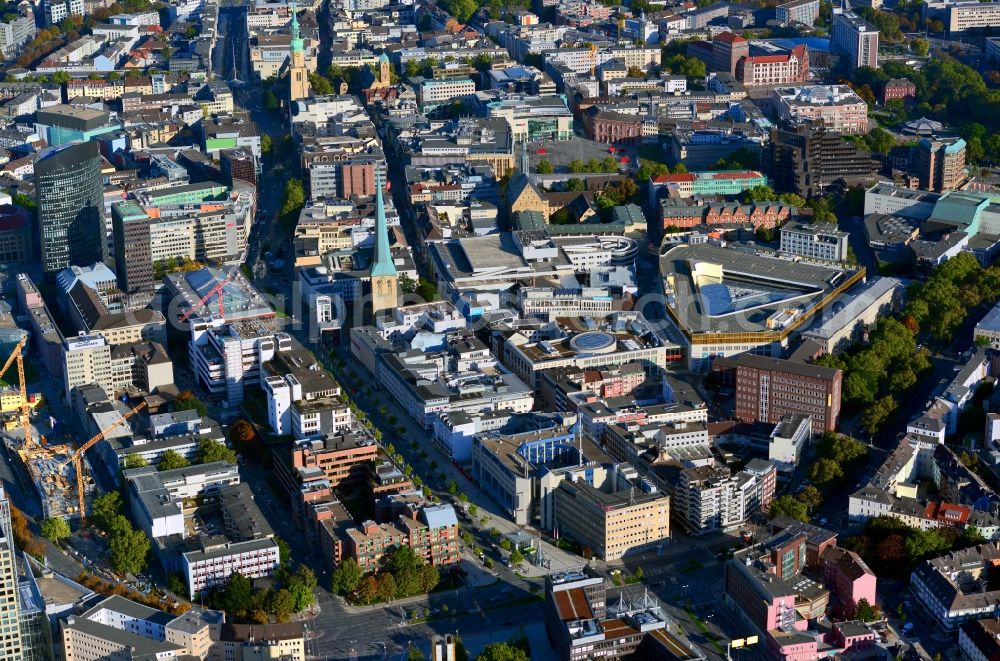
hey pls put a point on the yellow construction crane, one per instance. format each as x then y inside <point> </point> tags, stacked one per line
<point>77,458</point>
<point>18,355</point>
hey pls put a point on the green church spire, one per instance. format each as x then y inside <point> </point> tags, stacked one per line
<point>383,264</point>
<point>296,37</point>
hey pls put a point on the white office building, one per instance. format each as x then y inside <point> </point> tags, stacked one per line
<point>854,38</point>
<point>814,240</point>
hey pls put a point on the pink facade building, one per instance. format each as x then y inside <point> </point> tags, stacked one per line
<point>849,579</point>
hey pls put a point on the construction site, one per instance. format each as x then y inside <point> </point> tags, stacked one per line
<point>57,468</point>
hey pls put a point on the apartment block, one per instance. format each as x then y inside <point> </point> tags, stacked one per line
<point>432,533</point>
<point>86,360</point>
<point>432,92</point>
<point>228,358</point>
<point>216,559</point>
<point>117,628</point>
<point>808,159</point>
<point>612,524</point>
<point>939,163</point>
<point>708,499</point>
<point>341,458</point>
<point>798,11</point>
<point>769,388</point>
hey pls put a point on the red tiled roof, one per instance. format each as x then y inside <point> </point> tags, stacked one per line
<point>673,178</point>
<point>729,38</point>
<point>767,59</point>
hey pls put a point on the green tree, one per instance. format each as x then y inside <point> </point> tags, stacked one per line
<point>825,471</point>
<point>386,586</point>
<point>302,596</point>
<point>129,550</point>
<point>136,461</point>
<point>55,529</point>
<point>879,140</point>
<point>516,557</point>
<point>186,401</point>
<point>427,290</point>
<point>544,167</point>
<point>502,652</point>
<point>414,654</point>
<point>788,506</point>
<point>237,594</point>
<point>822,209</point>
<point>265,144</point>
<point>320,85</point>
<point>811,497</point>
<point>760,193</point>
<point>292,201</point>
<point>429,577</point>
<point>270,100</point>
<point>176,584</point>
<point>609,165</point>
<point>368,590</point>
<point>172,459</point>
<point>920,47</point>
<point>576,166</point>
<point>281,605</point>
<point>878,413</point>
<point>865,612</point>
<point>575,185</point>
<point>210,450</point>
<point>105,507</point>
<point>462,9</point>
<point>284,552</point>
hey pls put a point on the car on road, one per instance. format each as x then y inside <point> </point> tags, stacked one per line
<point>907,629</point>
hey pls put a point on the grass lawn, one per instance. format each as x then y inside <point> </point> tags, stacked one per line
<point>703,628</point>
<point>691,565</point>
<point>653,153</point>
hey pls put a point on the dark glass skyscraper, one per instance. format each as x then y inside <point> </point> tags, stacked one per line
<point>70,206</point>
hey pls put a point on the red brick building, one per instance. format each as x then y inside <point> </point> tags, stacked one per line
<point>781,69</point>
<point>432,533</point>
<point>612,127</point>
<point>766,215</point>
<point>727,50</point>
<point>343,460</point>
<point>769,388</point>
<point>898,88</point>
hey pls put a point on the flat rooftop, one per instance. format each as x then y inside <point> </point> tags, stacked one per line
<point>714,289</point>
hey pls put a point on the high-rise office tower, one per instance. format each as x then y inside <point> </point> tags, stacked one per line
<point>133,252</point>
<point>70,206</point>
<point>854,38</point>
<point>11,647</point>
<point>238,165</point>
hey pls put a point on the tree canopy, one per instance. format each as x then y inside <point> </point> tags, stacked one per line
<point>172,459</point>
